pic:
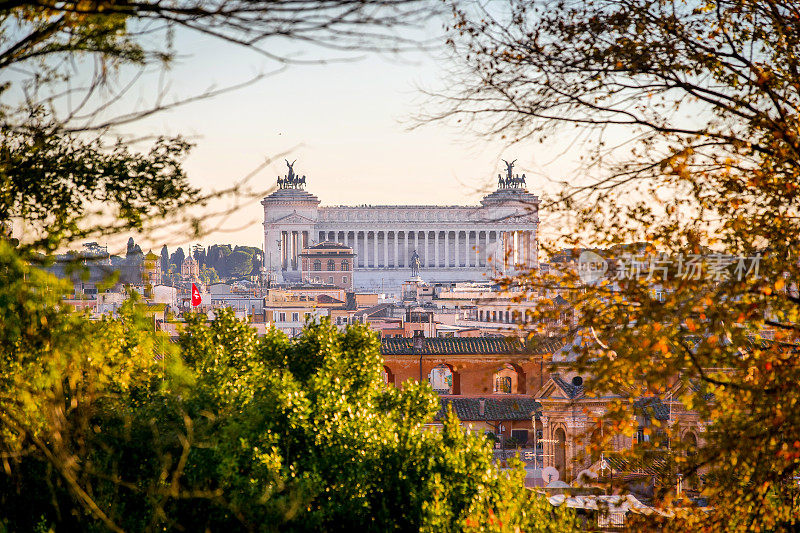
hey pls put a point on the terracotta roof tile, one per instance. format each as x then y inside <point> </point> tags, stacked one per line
<point>516,408</point>
<point>470,346</point>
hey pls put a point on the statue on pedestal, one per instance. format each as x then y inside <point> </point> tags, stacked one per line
<point>415,263</point>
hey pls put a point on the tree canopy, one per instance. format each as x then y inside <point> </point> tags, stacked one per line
<point>688,112</point>
<point>108,426</point>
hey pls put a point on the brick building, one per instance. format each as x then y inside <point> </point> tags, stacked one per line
<point>489,381</point>
<point>328,262</point>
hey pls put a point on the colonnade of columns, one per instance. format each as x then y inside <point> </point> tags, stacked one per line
<point>291,244</point>
<point>438,248</point>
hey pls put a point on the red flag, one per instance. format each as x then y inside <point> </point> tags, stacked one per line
<point>195,296</point>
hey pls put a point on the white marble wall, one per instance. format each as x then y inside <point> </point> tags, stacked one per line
<point>453,242</point>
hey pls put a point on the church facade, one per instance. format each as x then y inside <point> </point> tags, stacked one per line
<point>450,243</point>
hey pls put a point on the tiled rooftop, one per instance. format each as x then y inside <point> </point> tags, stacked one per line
<point>495,409</point>
<point>572,391</point>
<point>470,346</point>
<point>653,407</point>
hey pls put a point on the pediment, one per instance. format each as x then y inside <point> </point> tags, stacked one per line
<point>293,218</point>
<point>551,390</point>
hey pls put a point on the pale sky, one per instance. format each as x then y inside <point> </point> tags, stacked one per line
<point>346,123</point>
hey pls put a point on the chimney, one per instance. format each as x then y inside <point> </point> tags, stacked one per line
<point>482,407</point>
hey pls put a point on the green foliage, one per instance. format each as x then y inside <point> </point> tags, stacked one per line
<point>109,426</point>
<point>240,264</point>
<point>208,275</point>
<point>50,180</point>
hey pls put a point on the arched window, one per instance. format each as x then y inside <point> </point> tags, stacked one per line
<point>345,265</point>
<point>388,376</point>
<point>505,380</point>
<point>560,449</point>
<point>441,379</point>
<point>331,264</point>
<point>502,384</point>
<point>317,265</point>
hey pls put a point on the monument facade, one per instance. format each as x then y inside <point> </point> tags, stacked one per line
<point>443,243</point>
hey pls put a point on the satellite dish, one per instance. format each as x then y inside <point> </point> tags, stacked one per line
<point>549,474</point>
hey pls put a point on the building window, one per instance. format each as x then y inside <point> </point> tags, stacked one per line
<point>344,279</point>
<point>441,379</point>
<point>502,385</point>
<point>345,265</point>
<point>331,264</point>
<point>295,317</point>
<point>520,436</point>
<point>282,317</point>
<point>317,265</point>
<point>330,279</point>
<point>388,376</point>
<point>505,380</point>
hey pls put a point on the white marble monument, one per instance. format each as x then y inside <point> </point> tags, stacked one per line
<point>454,242</point>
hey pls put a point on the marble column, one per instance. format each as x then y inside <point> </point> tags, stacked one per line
<point>385,249</point>
<point>428,252</point>
<point>462,253</point>
<point>294,251</point>
<point>466,248</point>
<point>290,250</point>
<point>405,252</point>
<point>482,242</point>
<point>533,256</point>
<point>456,249</point>
<point>472,248</point>
<point>476,253</point>
<point>358,249</point>
<point>447,248</point>
<point>298,235</point>
<point>374,249</point>
<point>397,249</point>
<point>282,257</point>
<point>436,249</point>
